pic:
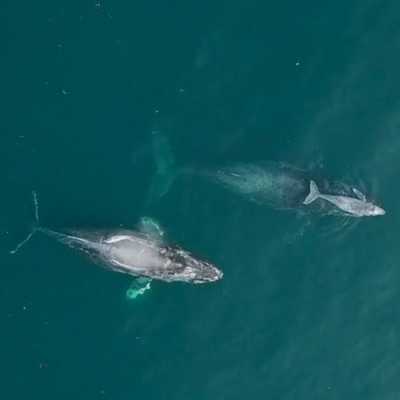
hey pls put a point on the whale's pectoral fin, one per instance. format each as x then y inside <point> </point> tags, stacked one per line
<point>359,194</point>
<point>138,287</point>
<point>151,228</point>
<point>313,195</point>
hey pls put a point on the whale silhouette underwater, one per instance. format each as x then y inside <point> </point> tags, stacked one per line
<point>282,186</point>
<point>275,184</point>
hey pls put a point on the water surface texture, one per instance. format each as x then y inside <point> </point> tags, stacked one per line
<point>105,103</point>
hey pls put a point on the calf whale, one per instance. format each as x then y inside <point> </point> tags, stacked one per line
<point>141,253</point>
<point>357,207</point>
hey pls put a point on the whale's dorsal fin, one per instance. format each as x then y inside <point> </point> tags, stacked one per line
<point>359,194</point>
<point>151,228</point>
<point>313,195</point>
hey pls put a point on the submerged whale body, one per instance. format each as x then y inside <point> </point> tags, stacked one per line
<point>282,186</point>
<point>138,254</point>
<point>275,184</point>
<point>278,185</point>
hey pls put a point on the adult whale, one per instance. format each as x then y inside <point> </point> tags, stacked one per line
<point>282,186</point>
<point>275,184</point>
<point>357,207</point>
<point>141,253</point>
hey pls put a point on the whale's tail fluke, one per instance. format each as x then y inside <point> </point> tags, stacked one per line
<point>165,167</point>
<point>313,195</point>
<point>35,226</point>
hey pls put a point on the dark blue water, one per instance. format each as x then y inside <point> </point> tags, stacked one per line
<point>99,99</point>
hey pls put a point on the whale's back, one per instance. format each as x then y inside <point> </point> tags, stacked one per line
<point>134,253</point>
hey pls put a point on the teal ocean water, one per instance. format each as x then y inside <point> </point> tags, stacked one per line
<point>104,102</point>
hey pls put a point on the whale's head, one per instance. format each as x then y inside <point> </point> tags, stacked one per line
<point>184,266</point>
<point>374,210</point>
<point>207,272</point>
<point>200,271</point>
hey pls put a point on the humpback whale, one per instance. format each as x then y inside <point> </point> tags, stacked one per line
<point>282,186</point>
<point>275,184</point>
<point>141,253</point>
<point>357,207</point>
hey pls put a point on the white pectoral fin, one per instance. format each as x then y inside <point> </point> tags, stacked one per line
<point>359,194</point>
<point>151,228</point>
<point>313,195</point>
<point>138,287</point>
